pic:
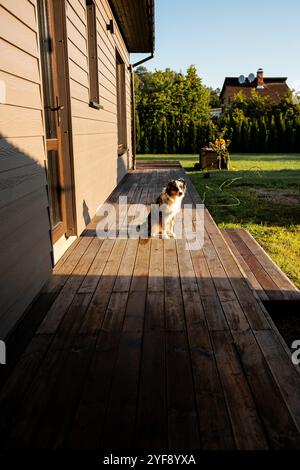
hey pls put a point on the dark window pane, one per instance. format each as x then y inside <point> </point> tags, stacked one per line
<point>54,188</point>
<point>46,47</point>
<point>92,51</point>
<point>121,105</point>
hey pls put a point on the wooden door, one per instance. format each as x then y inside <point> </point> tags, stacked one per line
<point>56,114</point>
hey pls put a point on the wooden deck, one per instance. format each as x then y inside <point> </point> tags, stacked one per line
<point>146,345</point>
<point>265,277</point>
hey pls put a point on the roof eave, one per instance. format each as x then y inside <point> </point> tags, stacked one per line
<point>133,40</point>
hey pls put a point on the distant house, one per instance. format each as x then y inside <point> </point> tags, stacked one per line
<point>273,87</point>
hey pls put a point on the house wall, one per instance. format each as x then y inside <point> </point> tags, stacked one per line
<point>25,246</point>
<point>97,166</point>
<point>226,97</point>
<point>25,242</point>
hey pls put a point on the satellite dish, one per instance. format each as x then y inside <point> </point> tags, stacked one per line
<point>251,77</point>
<point>241,79</point>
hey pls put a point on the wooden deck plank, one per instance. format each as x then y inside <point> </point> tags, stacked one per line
<point>280,427</point>
<point>234,314</point>
<point>151,426</point>
<point>247,420</point>
<point>183,430</point>
<point>148,344</point>
<point>92,263</point>
<point>251,306</point>
<point>121,411</point>
<point>247,427</point>
<point>19,381</point>
<point>183,424</point>
<point>266,380</point>
<point>88,426</point>
<point>62,394</point>
<point>63,270</point>
<point>88,423</point>
<point>214,423</point>
<point>55,413</point>
<point>277,275</point>
<point>263,277</point>
<point>66,263</point>
<point>104,288</point>
<point>234,273</point>
<point>276,284</point>
<point>262,380</point>
<point>34,403</point>
<point>65,338</point>
<point>211,303</point>
<point>257,288</point>
<point>284,372</point>
<point>268,328</point>
<point>151,422</point>
<point>64,299</point>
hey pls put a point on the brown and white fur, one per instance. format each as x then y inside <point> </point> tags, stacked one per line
<point>169,201</point>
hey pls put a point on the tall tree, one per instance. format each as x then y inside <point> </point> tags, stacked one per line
<point>173,116</point>
<point>171,106</point>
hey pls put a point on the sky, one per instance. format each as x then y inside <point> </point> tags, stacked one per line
<point>228,38</point>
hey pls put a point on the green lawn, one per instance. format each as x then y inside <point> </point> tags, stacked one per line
<point>260,193</point>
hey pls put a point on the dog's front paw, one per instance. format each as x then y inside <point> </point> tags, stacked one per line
<point>173,235</point>
<point>165,235</point>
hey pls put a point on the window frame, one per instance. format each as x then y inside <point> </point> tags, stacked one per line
<point>91,16</point>
<point>121,104</point>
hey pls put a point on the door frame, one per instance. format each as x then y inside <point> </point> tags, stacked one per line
<point>57,20</point>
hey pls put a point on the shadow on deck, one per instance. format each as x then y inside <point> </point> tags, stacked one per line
<point>142,344</point>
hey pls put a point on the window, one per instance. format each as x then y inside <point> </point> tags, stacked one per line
<point>121,105</point>
<point>92,52</point>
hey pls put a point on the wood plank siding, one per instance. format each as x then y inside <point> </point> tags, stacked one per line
<point>25,244</point>
<point>95,130</point>
<point>25,234</point>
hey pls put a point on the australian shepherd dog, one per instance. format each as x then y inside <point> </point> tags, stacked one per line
<point>169,204</point>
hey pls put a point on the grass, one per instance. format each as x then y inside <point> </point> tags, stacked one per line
<point>261,193</point>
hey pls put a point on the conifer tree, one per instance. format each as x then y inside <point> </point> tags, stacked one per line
<point>138,132</point>
<point>164,136</point>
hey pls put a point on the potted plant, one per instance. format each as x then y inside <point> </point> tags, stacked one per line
<point>220,147</point>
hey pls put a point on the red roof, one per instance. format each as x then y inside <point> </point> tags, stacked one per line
<point>273,90</point>
<point>273,87</point>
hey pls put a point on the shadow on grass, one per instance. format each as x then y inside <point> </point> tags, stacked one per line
<point>267,157</point>
<point>238,196</point>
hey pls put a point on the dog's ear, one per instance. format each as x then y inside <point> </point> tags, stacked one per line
<point>183,182</point>
<point>170,186</point>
